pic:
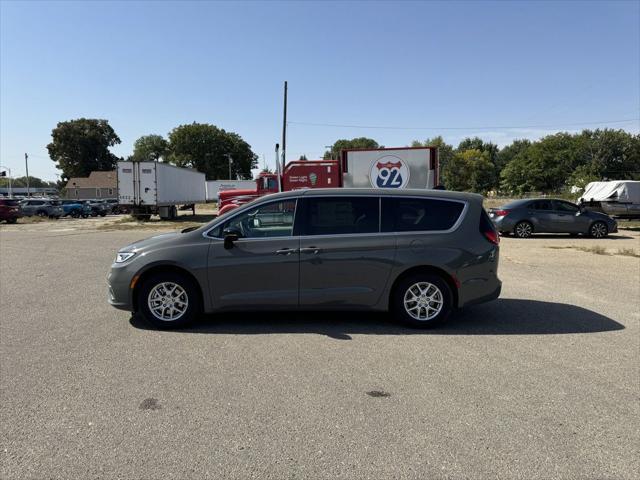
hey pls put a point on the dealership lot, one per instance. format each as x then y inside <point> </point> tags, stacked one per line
<point>541,383</point>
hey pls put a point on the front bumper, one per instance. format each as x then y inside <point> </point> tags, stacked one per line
<point>120,294</point>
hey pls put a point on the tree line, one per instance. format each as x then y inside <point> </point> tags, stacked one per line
<point>551,164</point>
<point>81,146</point>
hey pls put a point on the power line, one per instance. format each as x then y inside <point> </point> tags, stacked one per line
<point>509,127</point>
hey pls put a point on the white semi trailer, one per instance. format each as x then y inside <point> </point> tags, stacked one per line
<point>155,188</point>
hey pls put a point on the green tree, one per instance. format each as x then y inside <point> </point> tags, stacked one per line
<point>546,165</point>
<point>490,148</point>
<point>207,148</point>
<point>445,154</point>
<point>21,182</point>
<point>508,153</point>
<point>150,147</point>
<point>470,170</point>
<point>81,146</point>
<point>343,144</point>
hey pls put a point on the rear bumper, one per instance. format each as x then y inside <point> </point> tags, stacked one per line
<point>503,224</point>
<point>486,298</point>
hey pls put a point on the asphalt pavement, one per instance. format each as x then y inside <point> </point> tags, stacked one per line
<point>542,383</point>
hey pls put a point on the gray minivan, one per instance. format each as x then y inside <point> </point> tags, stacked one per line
<point>419,253</point>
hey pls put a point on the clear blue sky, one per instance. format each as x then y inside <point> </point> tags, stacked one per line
<point>150,66</point>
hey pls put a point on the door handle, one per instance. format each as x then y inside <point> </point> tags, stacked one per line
<point>286,251</point>
<point>314,250</point>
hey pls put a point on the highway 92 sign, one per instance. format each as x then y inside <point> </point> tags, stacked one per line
<point>389,172</point>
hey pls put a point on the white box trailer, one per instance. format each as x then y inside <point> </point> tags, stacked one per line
<point>216,186</point>
<point>150,188</point>
<point>404,167</point>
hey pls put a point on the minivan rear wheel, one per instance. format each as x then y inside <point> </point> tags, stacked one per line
<point>422,300</point>
<point>169,300</point>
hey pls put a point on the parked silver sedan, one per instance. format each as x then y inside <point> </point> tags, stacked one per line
<point>525,217</point>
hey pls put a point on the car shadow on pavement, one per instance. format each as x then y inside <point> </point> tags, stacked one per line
<point>501,317</point>
<point>561,236</point>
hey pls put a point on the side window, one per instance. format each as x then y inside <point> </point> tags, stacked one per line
<point>341,215</point>
<point>415,214</point>
<point>542,205</point>
<point>270,220</point>
<point>566,207</point>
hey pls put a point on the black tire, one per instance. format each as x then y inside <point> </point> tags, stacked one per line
<point>191,293</point>
<point>523,229</point>
<point>598,230</point>
<point>103,214</point>
<point>12,220</point>
<point>409,286</point>
<point>42,213</point>
<point>85,215</point>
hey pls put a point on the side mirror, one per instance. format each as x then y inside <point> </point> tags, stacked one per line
<point>230,236</point>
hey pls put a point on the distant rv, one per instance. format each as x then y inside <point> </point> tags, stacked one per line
<point>618,198</point>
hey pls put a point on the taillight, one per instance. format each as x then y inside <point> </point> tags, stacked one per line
<point>501,213</point>
<point>487,229</point>
<point>492,236</point>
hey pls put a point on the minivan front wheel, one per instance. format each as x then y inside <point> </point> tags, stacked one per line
<point>422,300</point>
<point>168,300</point>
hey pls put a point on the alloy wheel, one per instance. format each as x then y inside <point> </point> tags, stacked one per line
<point>168,301</point>
<point>598,230</point>
<point>423,301</point>
<point>524,230</point>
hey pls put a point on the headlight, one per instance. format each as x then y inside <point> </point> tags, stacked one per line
<point>124,256</point>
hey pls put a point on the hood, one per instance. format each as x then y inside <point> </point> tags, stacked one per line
<point>155,240</point>
<point>599,215</point>
<point>225,194</point>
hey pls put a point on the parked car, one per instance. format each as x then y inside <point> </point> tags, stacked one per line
<point>618,198</point>
<point>525,217</point>
<point>10,210</point>
<point>420,254</point>
<point>75,208</point>
<point>42,207</point>
<point>97,207</point>
<point>112,203</point>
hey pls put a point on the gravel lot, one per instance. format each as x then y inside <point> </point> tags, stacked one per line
<point>542,383</point>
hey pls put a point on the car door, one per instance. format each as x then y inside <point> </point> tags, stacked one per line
<point>30,207</point>
<point>261,267</point>
<point>344,259</point>
<point>569,218</point>
<point>542,216</point>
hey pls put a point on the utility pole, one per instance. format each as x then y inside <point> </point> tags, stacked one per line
<point>278,172</point>
<point>26,164</point>
<point>230,162</point>
<point>284,128</point>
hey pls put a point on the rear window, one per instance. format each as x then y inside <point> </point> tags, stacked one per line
<point>419,215</point>
<point>514,204</point>
<point>341,215</point>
